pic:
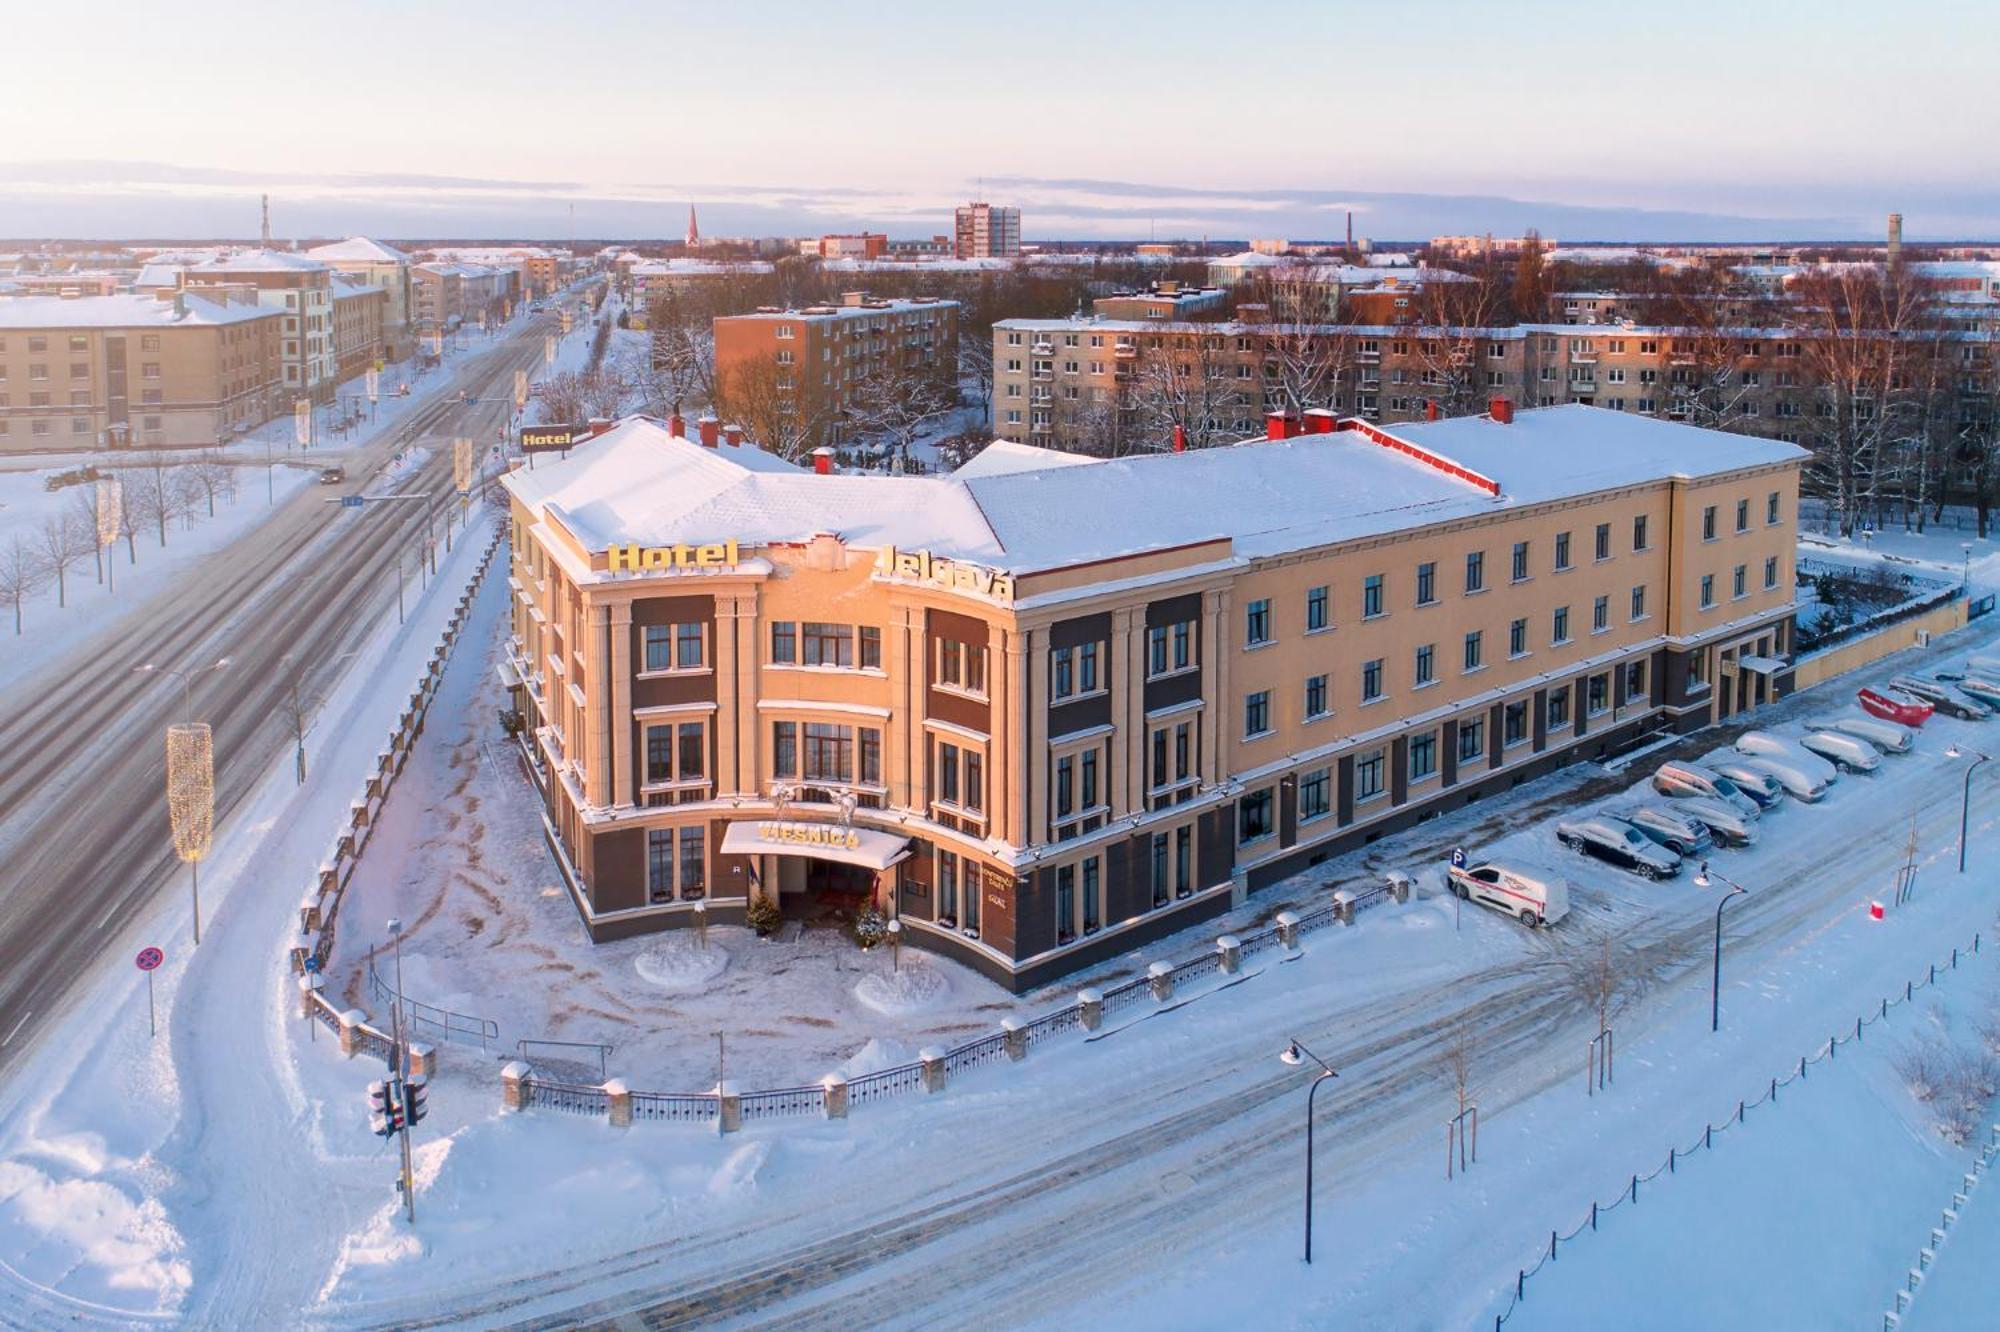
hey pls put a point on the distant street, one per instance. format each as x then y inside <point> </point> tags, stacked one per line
<point>86,736</point>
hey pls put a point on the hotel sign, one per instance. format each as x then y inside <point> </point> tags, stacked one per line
<point>810,834</point>
<point>920,566</point>
<point>635,558</point>
<point>550,438</point>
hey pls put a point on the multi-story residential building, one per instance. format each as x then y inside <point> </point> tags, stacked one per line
<point>824,358</point>
<point>864,245</point>
<point>542,270</point>
<point>436,302</point>
<point>1169,301</point>
<point>360,323</point>
<point>1480,247</point>
<point>650,280</point>
<point>178,371</point>
<point>448,296</point>
<point>89,283</point>
<point>1046,709</point>
<point>983,231</point>
<point>301,291</point>
<point>381,266</point>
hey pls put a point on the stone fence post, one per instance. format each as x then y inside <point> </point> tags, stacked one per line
<point>351,1023</point>
<point>835,1087</point>
<point>1399,886</point>
<point>308,913</point>
<point>513,1095</point>
<point>1090,1007</point>
<point>728,1108</point>
<point>309,988</point>
<point>1288,930</point>
<point>1231,949</point>
<point>423,1059</point>
<point>1014,1039</point>
<point>1160,976</point>
<point>1343,906</point>
<point>618,1098</point>
<point>931,1059</point>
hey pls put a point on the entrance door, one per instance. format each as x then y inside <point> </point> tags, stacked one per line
<point>824,889</point>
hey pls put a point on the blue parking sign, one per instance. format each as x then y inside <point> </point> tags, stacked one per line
<point>1458,857</point>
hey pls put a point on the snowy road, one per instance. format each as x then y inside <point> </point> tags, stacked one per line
<point>83,736</point>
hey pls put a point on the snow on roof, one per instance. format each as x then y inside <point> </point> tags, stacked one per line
<point>1025,509</point>
<point>918,264</point>
<point>358,249</point>
<point>123,311</point>
<point>260,261</point>
<point>645,268</point>
<point>874,307</point>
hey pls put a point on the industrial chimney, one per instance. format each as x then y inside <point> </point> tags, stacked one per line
<point>1895,239</point>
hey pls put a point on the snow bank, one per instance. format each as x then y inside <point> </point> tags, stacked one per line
<point>678,964</point>
<point>874,1056</point>
<point>90,1239</point>
<point>914,987</point>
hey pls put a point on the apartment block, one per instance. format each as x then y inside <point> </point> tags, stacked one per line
<point>383,266</point>
<point>300,290</point>
<point>983,231</point>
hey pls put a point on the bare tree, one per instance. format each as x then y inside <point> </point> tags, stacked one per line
<point>64,539</point>
<point>1186,384</point>
<point>975,372</point>
<point>1455,1062</point>
<point>157,496</point>
<point>1453,316</point>
<point>899,401</point>
<point>21,574</point>
<point>297,706</point>
<point>208,476</point>
<point>762,397</point>
<point>1307,348</point>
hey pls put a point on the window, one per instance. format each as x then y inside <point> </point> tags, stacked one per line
<point>829,752</point>
<point>1471,740</point>
<point>1371,596</point>
<point>1426,665</point>
<point>1520,560</point>
<point>660,864</point>
<point>1315,609</point>
<point>1257,622</point>
<point>1558,707</point>
<point>1253,817</point>
<point>1314,791</point>
<point>1559,625</point>
<point>1562,550</point>
<point>1371,680</point>
<point>1473,642</point>
<point>1771,507</point>
<point>674,647</point>
<point>1739,581</point>
<point>1770,572</point>
<point>1093,918</point>
<point>1697,671</point>
<point>1514,723</point>
<point>1603,548</point>
<point>1065,904</point>
<point>1315,696</point>
<point>784,642</point>
<point>1426,583</point>
<point>959,777</point>
<point>1161,891</point>
<point>1517,638</point>
<point>1708,523</point>
<point>947,887</point>
<point>1743,515</point>
<point>1639,602</point>
<point>961,666</point>
<point>1169,648</point>
<point>1597,693</point>
<point>1635,679</point>
<point>1423,755</point>
<point>1639,532</point>
<point>1600,615</point>
<point>1368,775</point>
<point>1172,772</point>
<point>1475,571</point>
<point>1707,591</point>
<point>694,861</point>
<point>1256,714</point>
<point>149,342</point>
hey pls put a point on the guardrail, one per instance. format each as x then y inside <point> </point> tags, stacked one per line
<point>427,1018</point>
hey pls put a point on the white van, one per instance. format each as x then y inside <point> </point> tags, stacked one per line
<point>1887,736</point>
<point>1535,897</point>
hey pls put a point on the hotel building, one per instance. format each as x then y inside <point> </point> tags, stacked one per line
<point>1047,708</point>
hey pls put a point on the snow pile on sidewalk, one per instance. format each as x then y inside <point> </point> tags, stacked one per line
<point>913,987</point>
<point>679,964</point>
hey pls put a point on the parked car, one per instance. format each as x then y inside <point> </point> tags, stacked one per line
<point>1846,752</point>
<point>1942,697</point>
<point>1799,783</point>
<point>1617,842</point>
<point>1694,779</point>
<point>1725,823</point>
<point>1890,705</point>
<point>1986,666</point>
<point>1535,897</point>
<point>332,476</point>
<point>1791,755</point>
<point>1886,736</point>
<point>1986,690</point>
<point>1671,826</point>
<point>1751,780</point>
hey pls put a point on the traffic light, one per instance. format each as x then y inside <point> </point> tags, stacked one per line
<point>380,1103</point>
<point>413,1100</point>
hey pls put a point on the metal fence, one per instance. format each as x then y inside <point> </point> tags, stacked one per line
<point>574,1097</point>
<point>1121,997</point>
<point>888,1082</point>
<point>682,1106</point>
<point>1205,965</point>
<point>786,1101</point>
<point>576,1057</point>
<point>426,1019</point>
<point>972,1054</point>
<point>1051,1024</point>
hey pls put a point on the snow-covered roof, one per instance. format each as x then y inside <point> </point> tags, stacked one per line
<point>260,261</point>
<point>645,268</point>
<point>874,307</point>
<point>123,311</point>
<point>358,249</point>
<point>1026,509</point>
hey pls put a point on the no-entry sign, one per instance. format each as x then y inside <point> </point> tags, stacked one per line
<point>150,958</point>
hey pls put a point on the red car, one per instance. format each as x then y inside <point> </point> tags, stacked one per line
<point>1894,706</point>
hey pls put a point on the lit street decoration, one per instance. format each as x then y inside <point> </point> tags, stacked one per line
<point>191,799</point>
<point>110,517</point>
<point>302,420</point>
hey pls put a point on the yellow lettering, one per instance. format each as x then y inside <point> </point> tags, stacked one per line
<point>655,558</point>
<point>619,558</point>
<point>708,556</point>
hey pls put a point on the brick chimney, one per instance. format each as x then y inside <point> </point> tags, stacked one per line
<point>1180,440</point>
<point>1320,421</point>
<point>1501,410</point>
<point>598,425</point>
<point>1431,412</point>
<point>676,426</point>
<point>823,461</point>
<point>734,434</point>
<point>1279,425</point>
<point>711,432</point>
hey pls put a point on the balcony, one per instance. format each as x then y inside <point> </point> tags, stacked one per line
<point>1125,350</point>
<point>1043,376</point>
<point>1042,349</point>
<point>1368,357</point>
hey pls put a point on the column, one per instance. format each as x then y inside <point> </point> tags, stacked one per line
<point>618,673</point>
<point>1035,751</point>
<point>1128,708</point>
<point>1014,726</point>
<point>597,707</point>
<point>723,661</point>
<point>744,689</point>
<point>1215,681</point>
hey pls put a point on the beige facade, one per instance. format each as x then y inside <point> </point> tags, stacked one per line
<point>300,291</point>
<point>114,371</point>
<point>1040,741</point>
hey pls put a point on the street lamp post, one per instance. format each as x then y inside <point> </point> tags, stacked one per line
<point>1703,879</point>
<point>1965,800</point>
<point>400,1069</point>
<point>1296,1055</point>
<point>186,677</point>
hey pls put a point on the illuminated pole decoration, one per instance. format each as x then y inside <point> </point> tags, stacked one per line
<point>520,389</point>
<point>549,348</point>
<point>110,517</point>
<point>374,384</point>
<point>302,421</point>
<point>191,800</point>
<point>461,469</point>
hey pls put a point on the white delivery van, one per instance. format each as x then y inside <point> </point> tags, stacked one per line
<point>1534,896</point>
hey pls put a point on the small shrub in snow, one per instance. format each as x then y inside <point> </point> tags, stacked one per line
<point>1921,1067</point>
<point>764,916</point>
<point>870,927</point>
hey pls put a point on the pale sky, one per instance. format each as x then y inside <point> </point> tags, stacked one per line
<point>1594,121</point>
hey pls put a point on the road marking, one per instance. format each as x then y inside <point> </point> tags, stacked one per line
<point>17,1027</point>
<point>107,918</point>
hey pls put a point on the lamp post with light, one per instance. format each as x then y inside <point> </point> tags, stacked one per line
<point>1703,879</point>
<point>1296,1055</point>
<point>1965,800</point>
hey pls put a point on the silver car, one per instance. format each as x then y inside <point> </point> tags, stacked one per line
<point>1672,826</point>
<point>1942,697</point>
<point>1723,820</point>
<point>1756,784</point>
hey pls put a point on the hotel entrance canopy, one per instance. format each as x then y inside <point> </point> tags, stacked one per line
<point>822,841</point>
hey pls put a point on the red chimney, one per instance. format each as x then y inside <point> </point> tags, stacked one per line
<point>1431,412</point>
<point>598,425</point>
<point>1278,425</point>
<point>1501,410</point>
<point>676,426</point>
<point>823,461</point>
<point>711,431</point>
<point>1180,440</point>
<point>1320,420</point>
<point>734,434</point>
